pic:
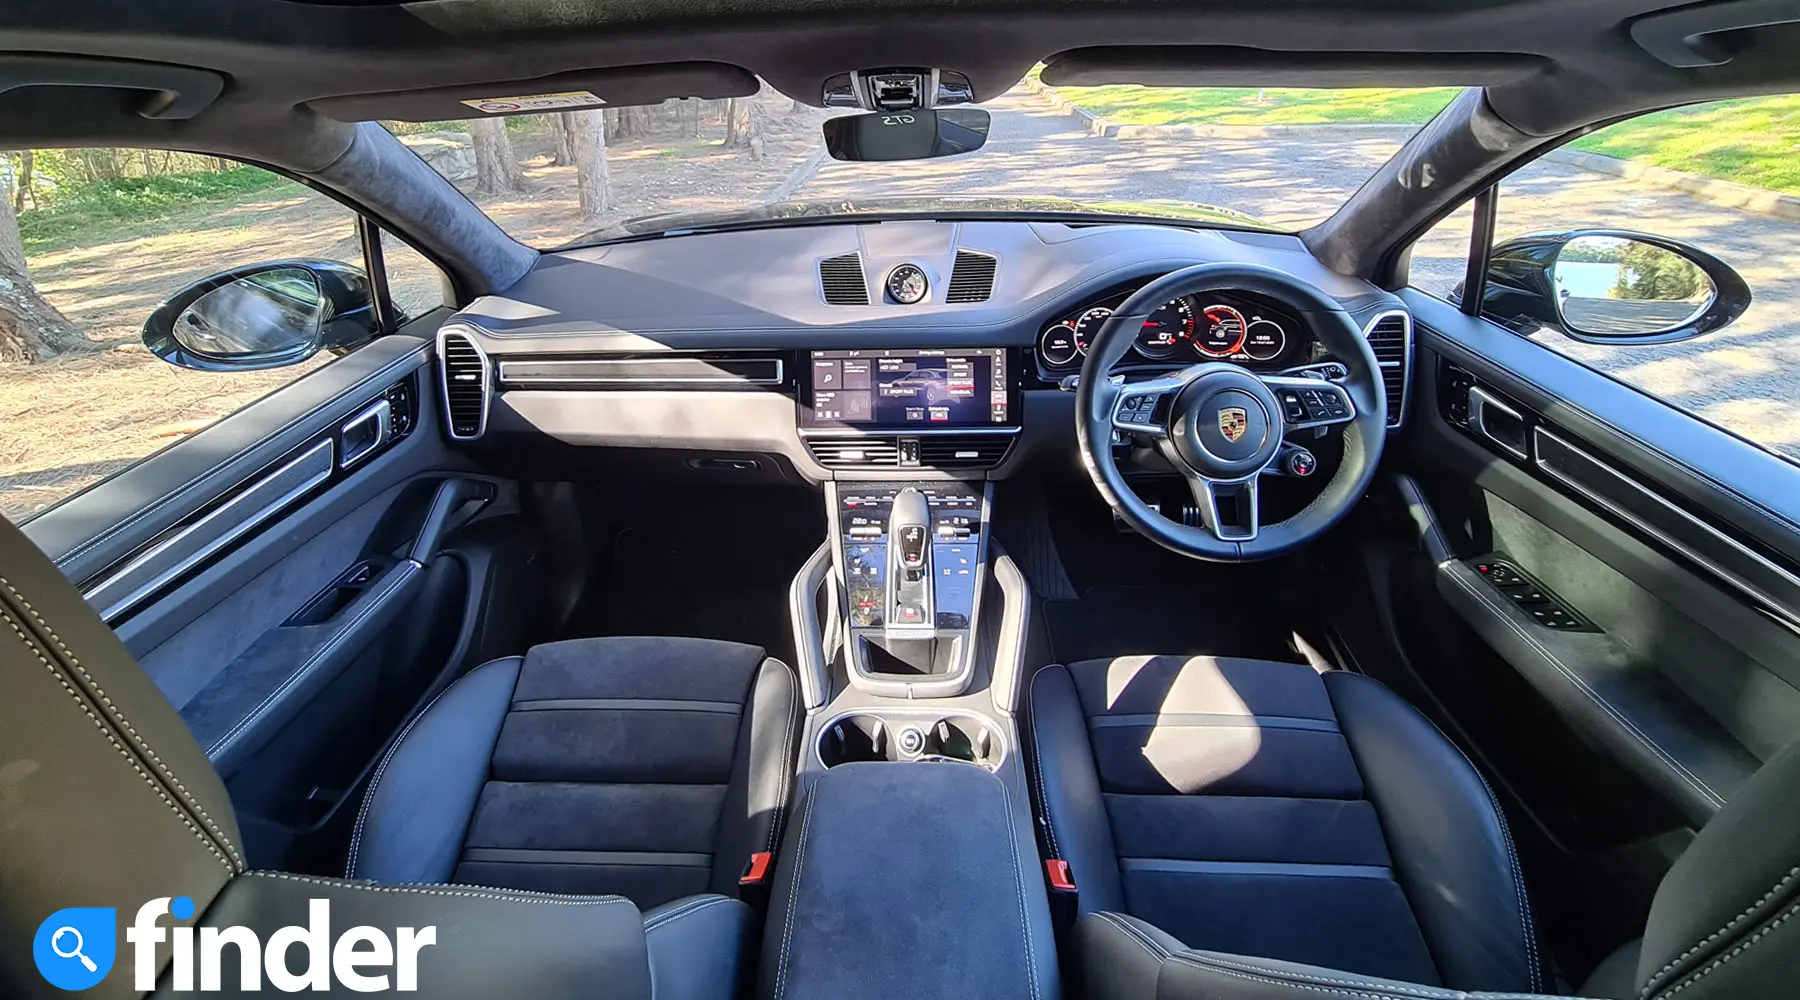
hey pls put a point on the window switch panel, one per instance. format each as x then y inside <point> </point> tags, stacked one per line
<point>1529,595</point>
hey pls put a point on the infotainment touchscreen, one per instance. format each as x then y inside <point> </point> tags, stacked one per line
<point>905,388</point>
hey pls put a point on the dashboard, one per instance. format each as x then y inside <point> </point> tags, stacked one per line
<point>784,353</point>
<point>1222,326</point>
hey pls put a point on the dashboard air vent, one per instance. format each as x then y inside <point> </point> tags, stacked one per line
<point>972,279</point>
<point>1390,337</point>
<point>465,375</point>
<point>977,451</point>
<point>855,453</point>
<point>842,279</point>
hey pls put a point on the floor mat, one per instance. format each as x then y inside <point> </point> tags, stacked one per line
<point>703,563</point>
<point>1137,597</point>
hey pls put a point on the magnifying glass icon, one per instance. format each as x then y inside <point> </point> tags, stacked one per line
<point>74,952</point>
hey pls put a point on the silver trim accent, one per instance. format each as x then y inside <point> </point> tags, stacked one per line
<point>487,380</point>
<point>1747,587</point>
<point>1481,401</point>
<point>721,379</point>
<point>1396,420</point>
<point>311,468</point>
<point>803,608</point>
<point>934,714</point>
<point>382,412</point>
<point>932,431</point>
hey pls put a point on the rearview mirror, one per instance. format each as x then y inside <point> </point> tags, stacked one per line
<point>906,135</point>
<point>263,316</point>
<point>1604,286</point>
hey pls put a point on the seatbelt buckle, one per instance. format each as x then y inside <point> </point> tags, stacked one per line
<point>753,882</point>
<point>1064,897</point>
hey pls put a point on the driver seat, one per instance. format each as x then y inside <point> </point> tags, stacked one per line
<point>1267,810</point>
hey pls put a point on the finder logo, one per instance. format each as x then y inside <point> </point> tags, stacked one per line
<point>75,949</point>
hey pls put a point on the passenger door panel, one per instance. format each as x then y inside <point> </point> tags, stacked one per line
<point>297,608</point>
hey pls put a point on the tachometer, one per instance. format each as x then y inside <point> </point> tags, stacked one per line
<point>1165,328</point>
<point>1088,325</point>
<point>1221,332</point>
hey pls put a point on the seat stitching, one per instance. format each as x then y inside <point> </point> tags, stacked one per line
<point>1012,840</point>
<point>446,889</point>
<point>1037,759</point>
<point>1730,925</point>
<point>1526,927</point>
<point>682,911</point>
<point>81,703</point>
<point>787,931</point>
<point>362,814</point>
<point>1692,779</point>
<point>1144,940</point>
<point>118,717</point>
<point>1735,952</point>
<point>311,663</point>
<point>1307,984</point>
<point>1426,993</point>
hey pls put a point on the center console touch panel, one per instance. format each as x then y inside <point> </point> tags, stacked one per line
<point>912,557</point>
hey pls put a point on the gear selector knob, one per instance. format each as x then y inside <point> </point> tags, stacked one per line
<point>910,532</point>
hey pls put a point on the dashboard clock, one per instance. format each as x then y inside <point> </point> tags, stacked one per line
<point>906,284</point>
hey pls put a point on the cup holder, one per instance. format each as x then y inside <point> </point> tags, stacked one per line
<point>865,737</point>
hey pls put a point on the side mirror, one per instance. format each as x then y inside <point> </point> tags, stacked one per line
<point>906,135</point>
<point>1605,286</point>
<point>266,315</point>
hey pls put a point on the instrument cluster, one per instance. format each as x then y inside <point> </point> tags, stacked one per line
<point>1184,331</point>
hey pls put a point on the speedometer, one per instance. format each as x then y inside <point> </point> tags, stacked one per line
<point>1088,325</point>
<point>1165,328</point>
<point>1221,332</point>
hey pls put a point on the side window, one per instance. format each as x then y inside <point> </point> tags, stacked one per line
<point>91,241</point>
<point>1718,186</point>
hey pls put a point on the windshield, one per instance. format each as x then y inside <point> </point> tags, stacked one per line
<point>1270,158</point>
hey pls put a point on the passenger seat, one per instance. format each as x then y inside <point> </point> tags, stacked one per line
<point>650,768</point>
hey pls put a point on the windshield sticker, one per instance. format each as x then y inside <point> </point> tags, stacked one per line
<point>535,102</point>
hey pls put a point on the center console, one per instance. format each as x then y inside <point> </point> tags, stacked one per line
<point>913,558</point>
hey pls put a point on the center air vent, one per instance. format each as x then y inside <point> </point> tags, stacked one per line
<point>933,451</point>
<point>1390,337</point>
<point>841,278</point>
<point>465,375</point>
<point>972,279</point>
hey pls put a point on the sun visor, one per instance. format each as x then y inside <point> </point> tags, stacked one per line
<point>1233,66</point>
<point>627,85</point>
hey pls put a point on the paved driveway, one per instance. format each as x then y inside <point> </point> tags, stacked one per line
<point>1745,378</point>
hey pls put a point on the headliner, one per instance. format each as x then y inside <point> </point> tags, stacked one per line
<point>1549,66</point>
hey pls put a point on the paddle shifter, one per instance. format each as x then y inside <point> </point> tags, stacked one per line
<point>910,606</point>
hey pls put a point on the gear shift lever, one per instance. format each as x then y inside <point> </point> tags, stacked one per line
<point>909,582</point>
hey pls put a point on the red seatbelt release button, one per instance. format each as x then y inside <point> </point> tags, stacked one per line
<point>757,869</point>
<point>1060,878</point>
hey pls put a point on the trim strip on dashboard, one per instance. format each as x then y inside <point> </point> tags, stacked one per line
<point>510,372</point>
<point>173,556</point>
<point>1616,492</point>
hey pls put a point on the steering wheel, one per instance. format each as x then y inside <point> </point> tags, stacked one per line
<point>1221,425</point>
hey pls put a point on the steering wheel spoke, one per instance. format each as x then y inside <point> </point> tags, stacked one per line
<point>1143,408</point>
<point>1231,510</point>
<point>1310,402</point>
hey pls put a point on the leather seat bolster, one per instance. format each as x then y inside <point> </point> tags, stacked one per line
<point>1062,767</point>
<point>488,943</point>
<point>762,773</point>
<point>1115,955</point>
<point>1452,852</point>
<point>416,811</point>
<point>696,947</point>
<point>1205,975</point>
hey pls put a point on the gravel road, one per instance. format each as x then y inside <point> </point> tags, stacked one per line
<point>1745,378</point>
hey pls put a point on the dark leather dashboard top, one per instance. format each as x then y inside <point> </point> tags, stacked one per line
<point>761,288</point>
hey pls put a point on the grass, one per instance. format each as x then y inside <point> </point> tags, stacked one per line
<point>106,210</point>
<point>1754,141</point>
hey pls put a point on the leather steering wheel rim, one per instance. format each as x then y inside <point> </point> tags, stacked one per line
<point>1097,398</point>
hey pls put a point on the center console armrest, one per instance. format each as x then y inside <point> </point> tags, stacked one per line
<point>908,880</point>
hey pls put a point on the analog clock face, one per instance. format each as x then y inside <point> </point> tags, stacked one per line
<point>906,284</point>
